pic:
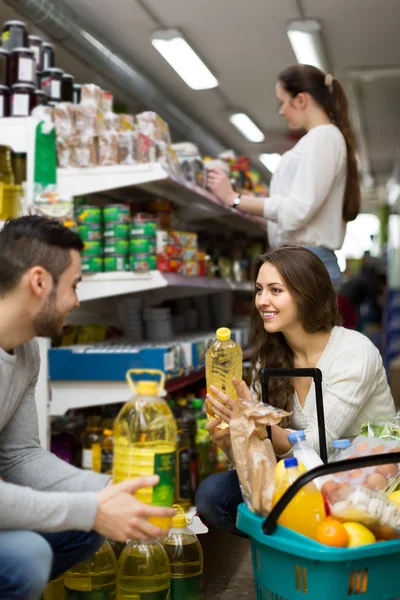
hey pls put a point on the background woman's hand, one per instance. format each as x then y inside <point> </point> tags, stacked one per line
<point>220,437</point>
<point>218,183</point>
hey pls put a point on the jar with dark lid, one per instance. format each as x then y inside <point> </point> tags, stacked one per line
<point>48,56</point>
<point>22,99</point>
<point>76,94</point>
<point>4,57</point>
<point>41,98</point>
<point>21,66</point>
<point>51,82</point>
<point>35,44</point>
<point>14,34</point>
<point>67,88</point>
<point>4,101</point>
<point>18,162</point>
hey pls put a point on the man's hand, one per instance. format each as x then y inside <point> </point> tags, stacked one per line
<point>122,517</point>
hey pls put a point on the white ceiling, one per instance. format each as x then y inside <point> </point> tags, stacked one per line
<point>245,45</point>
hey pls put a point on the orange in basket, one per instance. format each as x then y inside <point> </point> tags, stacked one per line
<point>332,533</point>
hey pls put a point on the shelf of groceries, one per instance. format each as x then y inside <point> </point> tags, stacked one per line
<point>117,283</point>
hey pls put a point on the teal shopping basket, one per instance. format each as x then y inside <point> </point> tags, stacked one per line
<point>290,566</point>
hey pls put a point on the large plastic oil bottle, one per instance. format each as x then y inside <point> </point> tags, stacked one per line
<point>144,572</point>
<point>186,560</point>
<point>93,579</point>
<point>55,589</point>
<point>145,441</point>
<point>306,510</point>
<point>223,362</point>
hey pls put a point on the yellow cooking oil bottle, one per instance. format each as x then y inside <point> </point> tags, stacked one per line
<point>145,437</point>
<point>185,556</point>
<point>224,361</point>
<point>94,578</point>
<point>55,589</point>
<point>144,572</point>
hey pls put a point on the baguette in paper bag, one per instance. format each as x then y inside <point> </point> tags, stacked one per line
<point>252,450</point>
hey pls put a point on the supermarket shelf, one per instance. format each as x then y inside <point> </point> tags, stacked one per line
<point>177,383</point>
<point>106,285</point>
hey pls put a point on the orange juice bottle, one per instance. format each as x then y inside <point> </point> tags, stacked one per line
<point>306,510</point>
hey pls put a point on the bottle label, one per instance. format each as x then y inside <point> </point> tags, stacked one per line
<point>188,588</point>
<point>183,481</point>
<point>55,88</point>
<point>164,467</point>
<point>106,461</point>
<point>26,70</point>
<point>92,595</point>
<point>2,109</point>
<point>86,459</point>
<point>20,105</point>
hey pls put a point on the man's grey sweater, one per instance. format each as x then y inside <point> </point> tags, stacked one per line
<point>39,491</point>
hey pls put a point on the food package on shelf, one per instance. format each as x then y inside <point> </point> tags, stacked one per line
<point>106,122</point>
<point>127,147</point>
<point>216,163</point>
<point>64,153</point>
<point>190,268</point>
<point>107,144</point>
<point>240,174</point>
<point>64,119</point>
<point>44,113</point>
<point>166,156</point>
<point>191,165</point>
<point>83,153</point>
<point>85,118</point>
<point>107,102</point>
<point>126,123</point>
<point>146,149</point>
<point>154,127</point>
<point>91,94</point>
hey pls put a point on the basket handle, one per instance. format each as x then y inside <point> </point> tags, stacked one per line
<point>316,374</point>
<point>270,522</point>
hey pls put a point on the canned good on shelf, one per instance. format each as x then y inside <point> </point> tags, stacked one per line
<point>139,263</point>
<point>22,100</point>
<point>90,232</point>
<point>116,213</point>
<point>14,34</point>
<point>116,230</point>
<point>116,262</point>
<point>88,214</point>
<point>141,245</point>
<point>116,246</point>
<point>92,248</point>
<point>143,229</point>
<point>92,264</point>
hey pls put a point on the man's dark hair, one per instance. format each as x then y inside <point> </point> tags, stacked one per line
<point>32,241</point>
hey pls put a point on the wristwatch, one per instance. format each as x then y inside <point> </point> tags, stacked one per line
<point>237,201</point>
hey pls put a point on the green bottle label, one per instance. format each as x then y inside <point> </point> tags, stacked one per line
<point>164,467</point>
<point>93,595</point>
<point>188,588</point>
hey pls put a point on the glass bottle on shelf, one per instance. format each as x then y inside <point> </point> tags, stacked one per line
<point>91,444</point>
<point>6,172</point>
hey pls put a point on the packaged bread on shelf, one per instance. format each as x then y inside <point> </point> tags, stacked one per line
<point>146,149</point>
<point>107,148</point>
<point>107,102</point>
<point>91,94</point>
<point>126,123</point>
<point>153,126</point>
<point>85,119</point>
<point>83,154</point>
<point>64,153</point>
<point>64,119</point>
<point>111,121</point>
<point>127,147</point>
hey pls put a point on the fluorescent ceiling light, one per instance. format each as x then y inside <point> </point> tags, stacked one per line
<point>172,46</point>
<point>247,127</point>
<point>270,161</point>
<point>306,40</point>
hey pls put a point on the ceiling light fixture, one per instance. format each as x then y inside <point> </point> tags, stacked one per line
<point>270,161</point>
<point>247,127</point>
<point>306,40</point>
<point>173,47</point>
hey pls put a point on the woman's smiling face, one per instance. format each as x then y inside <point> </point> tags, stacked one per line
<point>277,307</point>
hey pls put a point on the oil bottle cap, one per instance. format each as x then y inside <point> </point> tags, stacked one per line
<point>223,334</point>
<point>147,388</point>
<point>179,521</point>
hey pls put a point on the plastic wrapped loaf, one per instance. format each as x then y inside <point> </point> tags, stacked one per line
<point>154,127</point>
<point>64,120</point>
<point>127,147</point>
<point>91,94</point>
<point>107,148</point>
<point>83,151</point>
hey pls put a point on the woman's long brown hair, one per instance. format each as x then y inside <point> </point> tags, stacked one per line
<point>332,99</point>
<point>308,281</point>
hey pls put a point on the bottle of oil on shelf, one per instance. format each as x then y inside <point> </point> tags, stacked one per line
<point>91,444</point>
<point>145,441</point>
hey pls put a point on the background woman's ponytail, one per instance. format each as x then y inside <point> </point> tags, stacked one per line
<point>329,94</point>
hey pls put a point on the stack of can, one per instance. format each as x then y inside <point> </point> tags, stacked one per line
<point>116,237</point>
<point>142,245</point>
<point>90,229</point>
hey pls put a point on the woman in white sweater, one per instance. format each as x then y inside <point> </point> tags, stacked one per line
<point>315,190</point>
<point>294,325</point>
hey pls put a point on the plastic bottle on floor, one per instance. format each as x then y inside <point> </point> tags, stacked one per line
<point>55,589</point>
<point>145,441</point>
<point>224,361</point>
<point>339,446</point>
<point>306,510</point>
<point>144,572</point>
<point>93,578</point>
<point>186,560</point>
